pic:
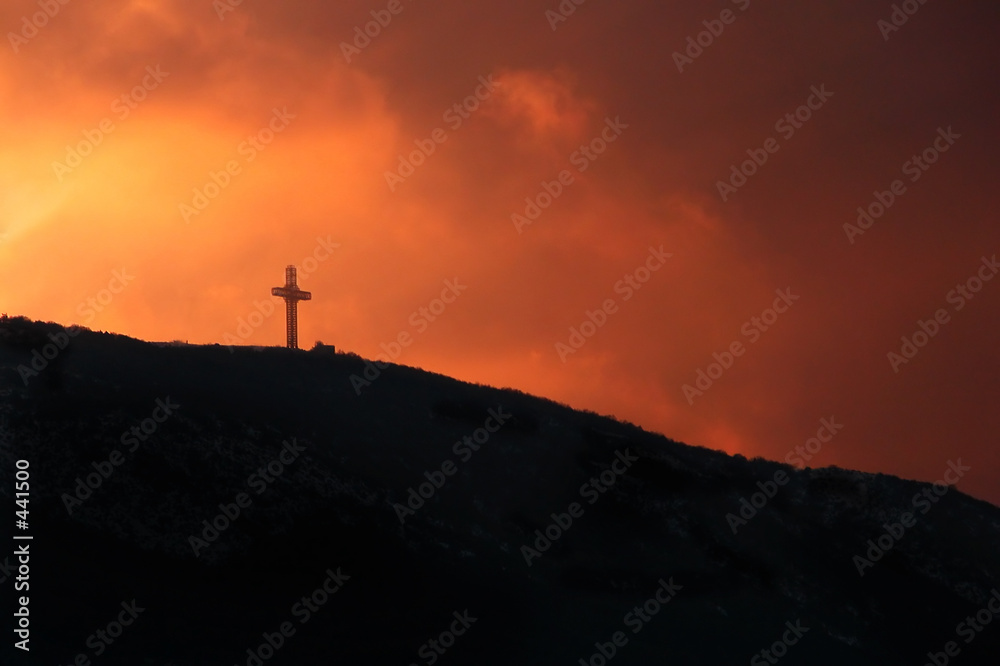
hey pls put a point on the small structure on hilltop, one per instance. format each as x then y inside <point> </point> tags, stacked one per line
<point>292,295</point>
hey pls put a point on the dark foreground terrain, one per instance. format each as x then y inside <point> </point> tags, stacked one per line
<point>139,451</point>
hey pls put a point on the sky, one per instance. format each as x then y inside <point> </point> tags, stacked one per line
<point>589,202</point>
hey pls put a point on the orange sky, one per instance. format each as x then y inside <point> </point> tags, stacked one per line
<point>267,92</point>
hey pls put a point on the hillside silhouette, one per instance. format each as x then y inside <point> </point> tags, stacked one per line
<point>411,506</point>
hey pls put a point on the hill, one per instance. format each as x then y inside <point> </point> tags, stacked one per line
<point>205,505</point>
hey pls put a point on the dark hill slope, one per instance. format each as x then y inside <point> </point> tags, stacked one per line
<point>663,518</point>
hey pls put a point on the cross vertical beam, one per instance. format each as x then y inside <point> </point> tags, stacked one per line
<point>292,295</point>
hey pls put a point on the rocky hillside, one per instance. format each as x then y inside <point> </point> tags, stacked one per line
<point>205,505</point>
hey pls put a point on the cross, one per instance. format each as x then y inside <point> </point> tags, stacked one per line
<point>292,295</point>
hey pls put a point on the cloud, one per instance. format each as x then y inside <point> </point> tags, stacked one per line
<point>324,176</point>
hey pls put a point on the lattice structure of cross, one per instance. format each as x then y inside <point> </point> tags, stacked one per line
<point>292,295</point>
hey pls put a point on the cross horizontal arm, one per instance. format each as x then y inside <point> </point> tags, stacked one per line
<point>294,294</point>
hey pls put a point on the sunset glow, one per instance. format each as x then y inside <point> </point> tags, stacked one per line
<point>163,161</point>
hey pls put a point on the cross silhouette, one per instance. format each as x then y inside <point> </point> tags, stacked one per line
<point>292,295</point>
